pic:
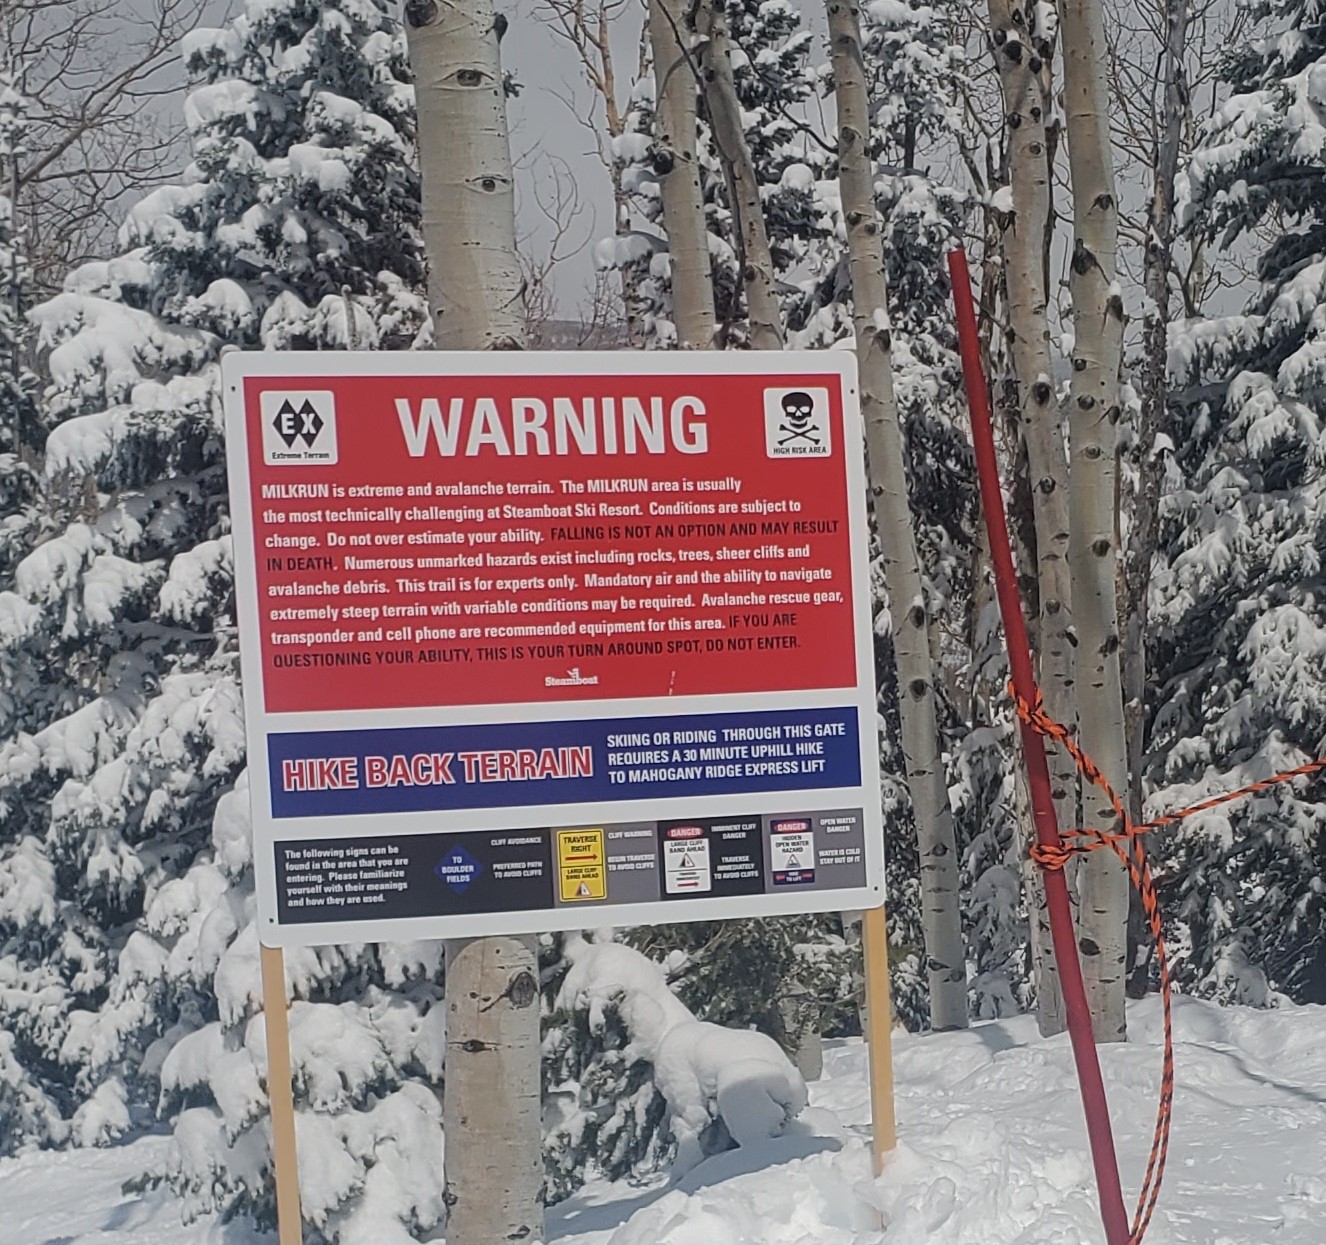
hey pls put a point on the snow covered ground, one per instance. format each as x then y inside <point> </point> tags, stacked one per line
<point>993,1153</point>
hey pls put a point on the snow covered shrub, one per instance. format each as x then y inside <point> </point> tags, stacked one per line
<point>659,1072</point>
<point>602,1112</point>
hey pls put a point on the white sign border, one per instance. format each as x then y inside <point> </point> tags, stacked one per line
<point>308,366</point>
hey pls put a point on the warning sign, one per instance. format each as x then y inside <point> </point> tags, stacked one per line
<point>686,869</point>
<point>508,623</point>
<point>792,852</point>
<point>582,868</point>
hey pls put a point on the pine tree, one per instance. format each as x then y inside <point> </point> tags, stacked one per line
<point>127,940</point>
<point>1239,608</point>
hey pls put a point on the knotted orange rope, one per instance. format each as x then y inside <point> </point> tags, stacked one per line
<point>1126,843</point>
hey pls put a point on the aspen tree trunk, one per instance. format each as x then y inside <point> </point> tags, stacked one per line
<point>1093,549</point>
<point>1021,51</point>
<point>676,122</point>
<point>1158,266</point>
<point>475,287</point>
<point>941,915</point>
<point>724,110</point>
<point>1022,530</point>
<point>491,1098</point>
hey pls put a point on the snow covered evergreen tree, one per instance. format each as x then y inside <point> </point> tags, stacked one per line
<point>629,1070</point>
<point>1239,609</point>
<point>128,950</point>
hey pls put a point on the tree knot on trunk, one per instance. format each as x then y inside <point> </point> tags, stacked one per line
<point>1088,946</point>
<point>1084,403</point>
<point>918,689</point>
<point>661,160</point>
<point>521,990</point>
<point>420,12</point>
<point>1100,547</point>
<point>473,1046</point>
<point>1041,393</point>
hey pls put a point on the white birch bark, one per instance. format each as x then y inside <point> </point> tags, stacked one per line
<point>1093,549</point>
<point>491,1097</point>
<point>491,1116</point>
<point>941,916</point>
<point>1021,52</point>
<point>724,111</point>
<point>676,123</point>
<point>475,286</point>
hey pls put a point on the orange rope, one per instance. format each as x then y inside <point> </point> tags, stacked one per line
<point>1127,845</point>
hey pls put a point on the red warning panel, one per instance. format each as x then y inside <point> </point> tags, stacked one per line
<point>424,540</point>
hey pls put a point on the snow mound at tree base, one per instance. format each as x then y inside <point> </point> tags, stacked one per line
<point>993,1152</point>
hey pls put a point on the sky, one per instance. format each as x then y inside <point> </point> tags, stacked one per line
<point>549,138</point>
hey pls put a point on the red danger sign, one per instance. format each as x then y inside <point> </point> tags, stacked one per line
<point>525,634</point>
<point>518,538</point>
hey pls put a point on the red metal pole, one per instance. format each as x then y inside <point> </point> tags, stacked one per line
<point>1094,1104</point>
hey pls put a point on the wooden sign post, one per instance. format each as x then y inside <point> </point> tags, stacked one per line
<point>280,1093</point>
<point>879,1036</point>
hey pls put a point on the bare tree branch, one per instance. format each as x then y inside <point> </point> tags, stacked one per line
<point>91,71</point>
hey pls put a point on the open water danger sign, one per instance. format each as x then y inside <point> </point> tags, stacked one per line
<point>485,600</point>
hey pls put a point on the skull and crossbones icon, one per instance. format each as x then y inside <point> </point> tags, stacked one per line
<point>799,419</point>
